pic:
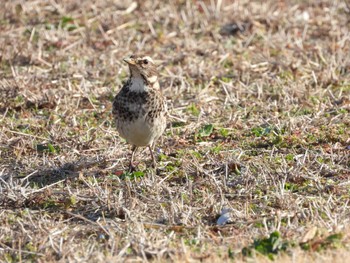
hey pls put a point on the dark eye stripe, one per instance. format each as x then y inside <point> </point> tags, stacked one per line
<point>145,61</point>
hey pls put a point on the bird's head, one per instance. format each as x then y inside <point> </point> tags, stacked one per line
<point>142,66</point>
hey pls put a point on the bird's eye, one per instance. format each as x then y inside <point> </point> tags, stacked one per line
<point>145,61</point>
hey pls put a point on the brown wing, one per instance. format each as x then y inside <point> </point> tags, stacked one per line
<point>156,104</point>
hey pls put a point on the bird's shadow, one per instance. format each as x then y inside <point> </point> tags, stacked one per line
<point>36,192</point>
<point>52,175</point>
<point>70,170</point>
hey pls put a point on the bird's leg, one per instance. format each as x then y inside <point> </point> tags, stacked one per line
<point>153,159</point>
<point>131,165</point>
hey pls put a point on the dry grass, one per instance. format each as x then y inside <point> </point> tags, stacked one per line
<point>260,126</point>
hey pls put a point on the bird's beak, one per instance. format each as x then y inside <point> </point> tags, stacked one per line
<point>130,61</point>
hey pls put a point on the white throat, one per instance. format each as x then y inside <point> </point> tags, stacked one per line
<point>137,84</point>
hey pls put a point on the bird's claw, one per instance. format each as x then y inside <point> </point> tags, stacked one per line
<point>132,168</point>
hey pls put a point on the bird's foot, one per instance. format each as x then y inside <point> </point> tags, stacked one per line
<point>132,168</point>
<point>154,165</point>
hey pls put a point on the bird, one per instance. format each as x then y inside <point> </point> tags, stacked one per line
<point>139,109</point>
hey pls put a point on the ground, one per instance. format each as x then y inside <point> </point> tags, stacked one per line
<point>259,112</point>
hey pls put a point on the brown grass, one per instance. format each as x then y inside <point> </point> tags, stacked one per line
<point>276,92</point>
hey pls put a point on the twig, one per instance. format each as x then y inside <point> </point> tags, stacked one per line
<point>29,135</point>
